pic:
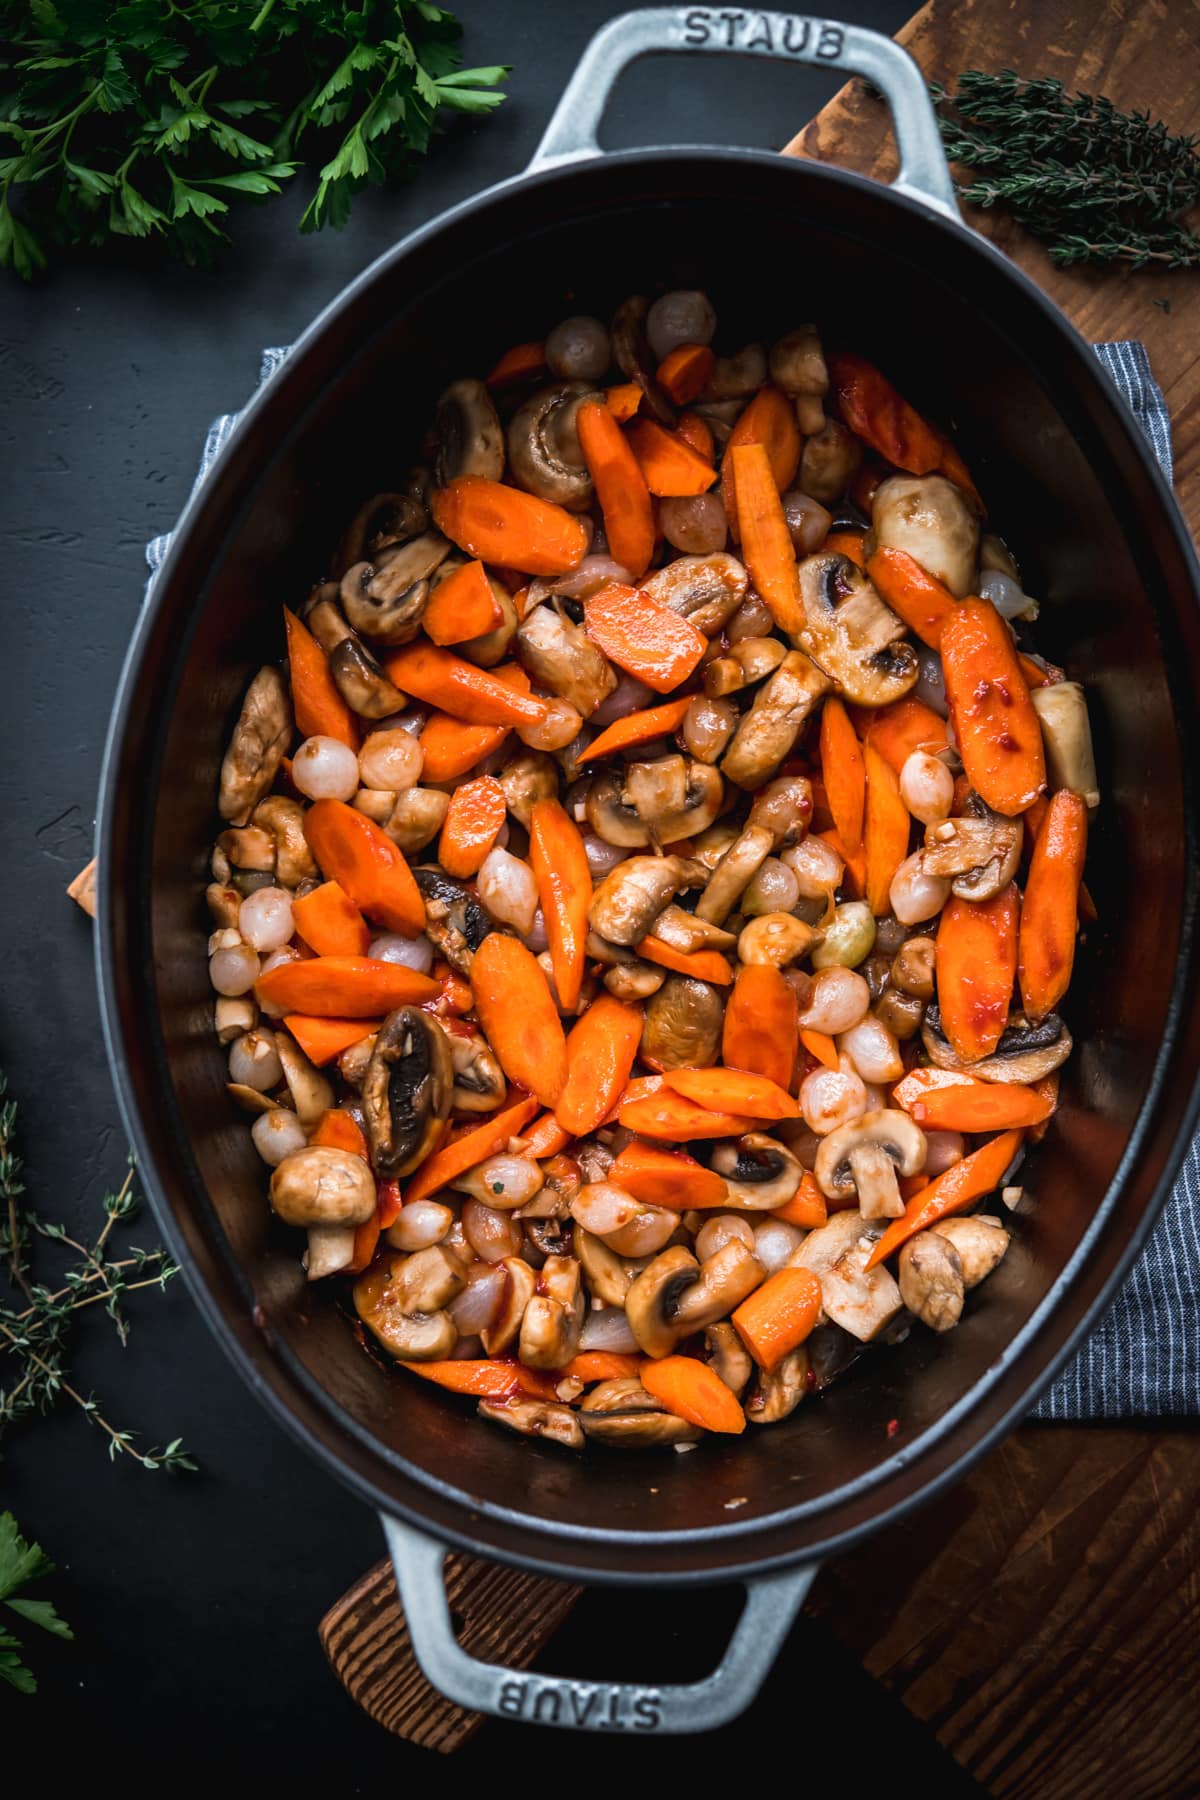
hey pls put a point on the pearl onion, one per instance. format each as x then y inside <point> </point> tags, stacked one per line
<point>696,525</point>
<point>287,954</point>
<point>421,1223</point>
<point>508,889</point>
<point>537,938</point>
<point>817,867</point>
<point>503,1181</point>
<point>914,895</point>
<point>492,1235</point>
<point>708,726</point>
<point>233,970</point>
<point>849,937</point>
<point>265,918</point>
<point>684,316</point>
<point>477,1307</point>
<point>601,856</point>
<point>409,953</point>
<point>578,349</point>
<point>774,1241</point>
<point>931,683</point>
<point>555,730</point>
<point>325,769</point>
<point>722,1229</point>
<point>942,1150</point>
<point>773,889</point>
<point>829,1099</point>
<point>838,1001</point>
<point>873,1051</point>
<point>391,760</point>
<point>926,787</point>
<point>277,1134</point>
<point>254,1061</point>
<point>629,696</point>
<point>752,619</point>
<point>807,520</point>
<point>607,1328</point>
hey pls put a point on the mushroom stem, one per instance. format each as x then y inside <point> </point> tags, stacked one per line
<point>874,1175</point>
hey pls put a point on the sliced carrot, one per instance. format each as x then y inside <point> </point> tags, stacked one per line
<point>450,748</point>
<point>366,1242</point>
<point>518,1016</point>
<point>685,372</point>
<point>907,725</point>
<point>472,824</point>
<point>454,994</point>
<point>491,1380</point>
<point>1034,673</point>
<point>777,1317</point>
<point>564,878</point>
<point>875,412</point>
<point>601,1051</point>
<point>886,831</point>
<point>918,597</point>
<point>643,636</point>
<point>952,1192</point>
<point>340,1130</point>
<point>670,1118</point>
<point>639,728</point>
<point>667,1178</point>
<point>848,543</point>
<point>640,1088</point>
<point>356,853</point>
<point>694,1391</point>
<point>1049,914</point>
<point>821,1046</point>
<point>319,708</point>
<point>995,725</point>
<point>807,1207</point>
<point>343,987</point>
<point>698,433</point>
<point>844,772</point>
<point>473,1145</point>
<point>330,923</point>
<point>769,420</point>
<point>767,549</point>
<point>478,696</point>
<point>950,1100</point>
<point>623,400</point>
<point>733,1091</point>
<point>669,465</point>
<point>599,1365</point>
<point>620,487</point>
<point>703,965</point>
<point>515,364</point>
<point>760,1029</point>
<point>501,524</point>
<point>545,1138</point>
<point>323,1039</point>
<point>976,967</point>
<point>462,606</point>
<point>388,1202</point>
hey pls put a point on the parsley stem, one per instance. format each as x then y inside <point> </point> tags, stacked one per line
<point>263,15</point>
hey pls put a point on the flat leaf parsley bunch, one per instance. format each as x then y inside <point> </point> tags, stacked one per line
<point>147,119</point>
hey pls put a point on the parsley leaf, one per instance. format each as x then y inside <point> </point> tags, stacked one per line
<point>21,1563</point>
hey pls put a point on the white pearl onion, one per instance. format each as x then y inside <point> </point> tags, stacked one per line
<point>537,938</point>
<point>683,316</point>
<point>277,1134</point>
<point>480,1301</point>
<point>629,696</point>
<point>774,1241</point>
<point>926,787</point>
<point>773,889</point>
<point>816,866</point>
<point>873,1051</point>
<point>607,1328</point>
<point>839,999</point>
<point>409,953</point>
<point>601,856</point>
<point>492,1235</point>
<point>914,895</point>
<point>829,1099</point>
<point>558,727</point>
<point>720,1230</point>
<point>931,684</point>
<point>942,1150</point>
<point>325,769</point>
<point>254,1061</point>
<point>265,918</point>
<point>391,760</point>
<point>421,1223</point>
<point>288,953</point>
<point>234,969</point>
<point>508,889</point>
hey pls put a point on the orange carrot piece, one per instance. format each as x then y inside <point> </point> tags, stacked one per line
<point>451,748</point>
<point>478,696</point>
<point>461,607</point>
<point>886,830</point>
<point>600,1365</point>
<point>767,549</point>
<point>500,524</point>
<point>388,1203</point>
<point>907,725</point>
<point>356,853</point>
<point>474,1145</point>
<point>472,824</point>
<point>1035,675</point>
<point>1049,914</point>
<point>704,965</point>
<point>623,400</point>
<point>670,467</point>
<point>670,1118</point>
<point>564,880</point>
<point>733,1091</point>
<point>545,1138</point>
<point>976,967</point>
<point>521,360</point>
<point>950,1100</point>
<point>770,421</point>
<point>494,1379</point>
<point>319,708</point>
<point>848,542</point>
<point>343,987</point>
<point>667,1178</point>
<point>639,728</point>
<point>643,636</point>
<point>760,1029</point>
<point>951,1192</point>
<point>807,1207</point>
<point>875,412</point>
<point>918,597</point>
<point>366,1241</point>
<point>694,1391</point>
<point>844,771</point>
<point>330,923</point>
<point>601,1051</point>
<point>698,433</point>
<point>323,1039</point>
<point>620,487</point>
<point>340,1130</point>
<point>684,372</point>
<point>518,1016</point>
<point>777,1317</point>
<point>821,1046</point>
<point>454,994</point>
<point>995,725</point>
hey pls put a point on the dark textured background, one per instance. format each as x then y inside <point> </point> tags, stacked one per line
<point>195,1599</point>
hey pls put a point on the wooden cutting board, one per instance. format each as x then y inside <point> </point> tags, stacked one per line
<point>1025,1617</point>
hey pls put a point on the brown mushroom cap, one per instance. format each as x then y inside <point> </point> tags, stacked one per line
<point>385,600</point>
<point>479,1082</point>
<point>527,777</point>
<point>863,1301</point>
<point>320,1186</point>
<point>725,1352</point>
<point>760,1172</point>
<point>631,897</point>
<point>734,873</point>
<point>407,1090</point>
<point>519,1288</point>
<point>681,1028</point>
<point>615,815</point>
<point>536,1419</point>
<point>851,634</point>
<point>980,849</point>
<point>554,1316</point>
<point>675,1295</point>
<point>705,589</point>
<point>865,1156</point>
<point>257,746</point>
<point>1025,1052</point>
<point>361,682</point>
<point>636,361</point>
<point>638,1429</point>
<point>684,931</point>
<point>562,657</point>
<point>981,1242</point>
<point>284,819</point>
<point>469,437</point>
<point>779,1391</point>
<point>381,523</point>
<point>770,728</point>
<point>543,446</point>
<point>829,462</point>
<point>934,521</point>
<point>931,1280</point>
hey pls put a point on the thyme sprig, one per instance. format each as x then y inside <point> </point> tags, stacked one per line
<point>1096,184</point>
<point>36,1323</point>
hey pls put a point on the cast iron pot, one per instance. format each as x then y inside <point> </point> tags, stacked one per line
<point>1068,478</point>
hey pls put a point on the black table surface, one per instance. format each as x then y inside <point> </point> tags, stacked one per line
<point>195,1598</point>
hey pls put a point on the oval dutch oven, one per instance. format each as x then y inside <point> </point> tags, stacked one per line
<point>892,272</point>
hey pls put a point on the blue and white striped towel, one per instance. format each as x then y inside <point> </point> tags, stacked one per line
<point>1144,1358</point>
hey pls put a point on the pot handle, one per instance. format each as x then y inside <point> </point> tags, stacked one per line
<point>924,172</point>
<point>772,1602</point>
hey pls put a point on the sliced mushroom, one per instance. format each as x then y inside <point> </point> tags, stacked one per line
<point>353,1063</point>
<point>454,919</point>
<point>1061,707</point>
<point>850,633</point>
<point>536,1419</point>
<point>312,1094</point>
<point>248,847</point>
<point>862,1301</point>
<point>737,375</point>
<point>330,1250</point>
<point>779,1391</point>
<point>635,359</point>
<point>562,657</point>
<point>415,817</point>
<point>676,1295</point>
<point>980,1241</point>
<point>530,776</point>
<point>685,931</point>
<point>798,367</point>
<point>609,1275</point>
<point>319,1186</point>
<point>386,599</point>
<point>382,523</point>
<point>865,1157</point>
<point>1025,1052</point>
<point>407,1089</point>
<point>554,1316</point>
<point>251,1099</point>
<point>749,660</point>
<point>519,1288</point>
<point>682,1025</point>
<point>633,980</point>
<point>761,1174</point>
<point>479,1084</point>
<point>705,589</point>
<point>638,1429</point>
<point>284,819</point>
<point>734,873</point>
<point>361,682</point>
<point>469,437</point>
<point>725,1352</point>
<point>934,521</point>
<point>615,815</point>
<point>386,1297</point>
<point>256,747</point>
<point>543,446</point>
<point>777,938</point>
<point>829,462</point>
<point>931,1280</point>
<point>631,897</point>
<point>981,849</point>
<point>232,1016</point>
<point>768,731</point>
<point>784,807</point>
